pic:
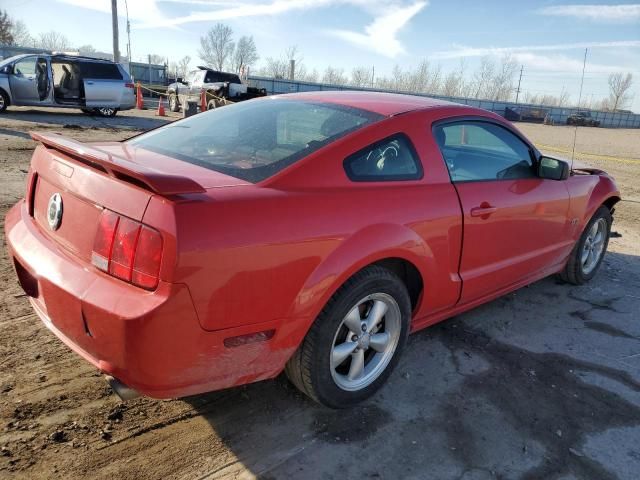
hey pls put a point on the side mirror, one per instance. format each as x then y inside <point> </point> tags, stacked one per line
<point>553,169</point>
<point>179,80</point>
<point>6,69</point>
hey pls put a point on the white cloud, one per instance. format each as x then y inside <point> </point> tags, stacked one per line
<point>600,13</point>
<point>390,17</point>
<point>381,35</point>
<point>465,51</point>
<point>562,63</point>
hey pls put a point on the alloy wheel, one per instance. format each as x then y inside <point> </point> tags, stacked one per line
<point>365,342</point>
<point>593,246</point>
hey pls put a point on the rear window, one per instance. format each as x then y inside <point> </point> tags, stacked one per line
<point>106,71</point>
<point>256,139</point>
<point>215,77</point>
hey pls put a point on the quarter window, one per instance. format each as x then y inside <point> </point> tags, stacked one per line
<point>476,151</point>
<point>393,158</point>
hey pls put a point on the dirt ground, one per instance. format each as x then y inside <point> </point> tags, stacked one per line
<point>541,384</point>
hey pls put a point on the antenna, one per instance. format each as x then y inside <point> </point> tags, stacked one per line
<point>575,132</point>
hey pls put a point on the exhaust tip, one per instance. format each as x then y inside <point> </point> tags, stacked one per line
<point>124,392</point>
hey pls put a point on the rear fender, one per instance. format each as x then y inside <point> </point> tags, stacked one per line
<point>367,246</point>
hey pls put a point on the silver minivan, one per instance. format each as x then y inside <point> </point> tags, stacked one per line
<point>95,86</point>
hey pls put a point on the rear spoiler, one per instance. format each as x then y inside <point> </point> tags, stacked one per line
<point>118,167</point>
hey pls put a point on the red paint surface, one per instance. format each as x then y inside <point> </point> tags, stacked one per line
<point>239,259</point>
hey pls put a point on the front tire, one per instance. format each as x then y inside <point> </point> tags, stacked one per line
<point>587,254</point>
<point>174,105</point>
<point>355,342</point>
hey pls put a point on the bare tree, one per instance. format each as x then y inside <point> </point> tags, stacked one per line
<point>454,83</point>
<point>217,46</point>
<point>311,76</point>
<point>334,76</point>
<point>86,49</point>
<point>361,77</point>
<point>156,59</point>
<point>21,35</point>
<point>275,67</point>
<point>482,77</point>
<point>172,70</point>
<point>6,28</point>
<point>564,97</point>
<point>246,54</point>
<point>619,86</point>
<point>183,66</point>
<point>279,67</point>
<point>52,41</point>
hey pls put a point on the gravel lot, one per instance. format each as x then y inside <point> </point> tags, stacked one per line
<point>542,383</point>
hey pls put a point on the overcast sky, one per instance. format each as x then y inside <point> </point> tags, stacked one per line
<point>547,37</point>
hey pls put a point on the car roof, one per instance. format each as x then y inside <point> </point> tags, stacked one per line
<point>382,103</point>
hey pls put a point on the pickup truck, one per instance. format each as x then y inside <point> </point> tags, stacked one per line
<point>219,85</point>
<point>583,119</point>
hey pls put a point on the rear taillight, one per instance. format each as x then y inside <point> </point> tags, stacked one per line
<point>32,178</point>
<point>129,85</point>
<point>128,250</point>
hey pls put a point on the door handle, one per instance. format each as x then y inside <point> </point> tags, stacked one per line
<point>89,82</point>
<point>483,210</point>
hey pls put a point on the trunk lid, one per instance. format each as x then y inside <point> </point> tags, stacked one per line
<point>86,178</point>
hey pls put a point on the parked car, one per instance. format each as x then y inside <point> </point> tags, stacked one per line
<point>219,85</point>
<point>93,85</point>
<point>307,232</point>
<point>583,119</point>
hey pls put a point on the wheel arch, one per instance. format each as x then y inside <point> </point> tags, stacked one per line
<point>395,247</point>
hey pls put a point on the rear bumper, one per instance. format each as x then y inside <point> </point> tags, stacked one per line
<point>151,341</point>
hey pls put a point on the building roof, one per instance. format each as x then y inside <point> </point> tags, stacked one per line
<point>387,104</point>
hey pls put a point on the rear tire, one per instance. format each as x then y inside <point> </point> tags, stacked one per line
<point>106,112</point>
<point>4,100</point>
<point>339,367</point>
<point>588,252</point>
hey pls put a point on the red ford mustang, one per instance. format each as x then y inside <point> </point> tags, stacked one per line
<point>308,233</point>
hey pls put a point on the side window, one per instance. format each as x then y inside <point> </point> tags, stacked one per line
<point>475,150</point>
<point>25,67</point>
<point>99,70</point>
<point>393,158</point>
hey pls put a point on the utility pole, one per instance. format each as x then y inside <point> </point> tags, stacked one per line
<point>126,6</point>
<point>575,133</point>
<point>373,75</point>
<point>114,27</point>
<point>292,69</point>
<point>519,82</point>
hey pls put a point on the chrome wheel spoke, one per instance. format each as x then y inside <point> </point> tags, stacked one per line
<point>367,343</point>
<point>379,341</point>
<point>585,256</point>
<point>352,321</point>
<point>377,312</point>
<point>357,365</point>
<point>341,352</point>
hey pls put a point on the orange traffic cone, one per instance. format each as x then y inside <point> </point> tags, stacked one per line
<point>139,101</point>
<point>160,112</point>
<point>203,100</point>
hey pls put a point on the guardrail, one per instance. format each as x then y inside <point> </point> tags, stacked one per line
<point>558,114</point>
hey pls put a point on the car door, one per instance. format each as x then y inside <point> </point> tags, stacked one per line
<point>103,84</point>
<point>23,81</point>
<point>515,223</point>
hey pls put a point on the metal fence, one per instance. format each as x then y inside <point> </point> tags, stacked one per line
<point>558,114</point>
